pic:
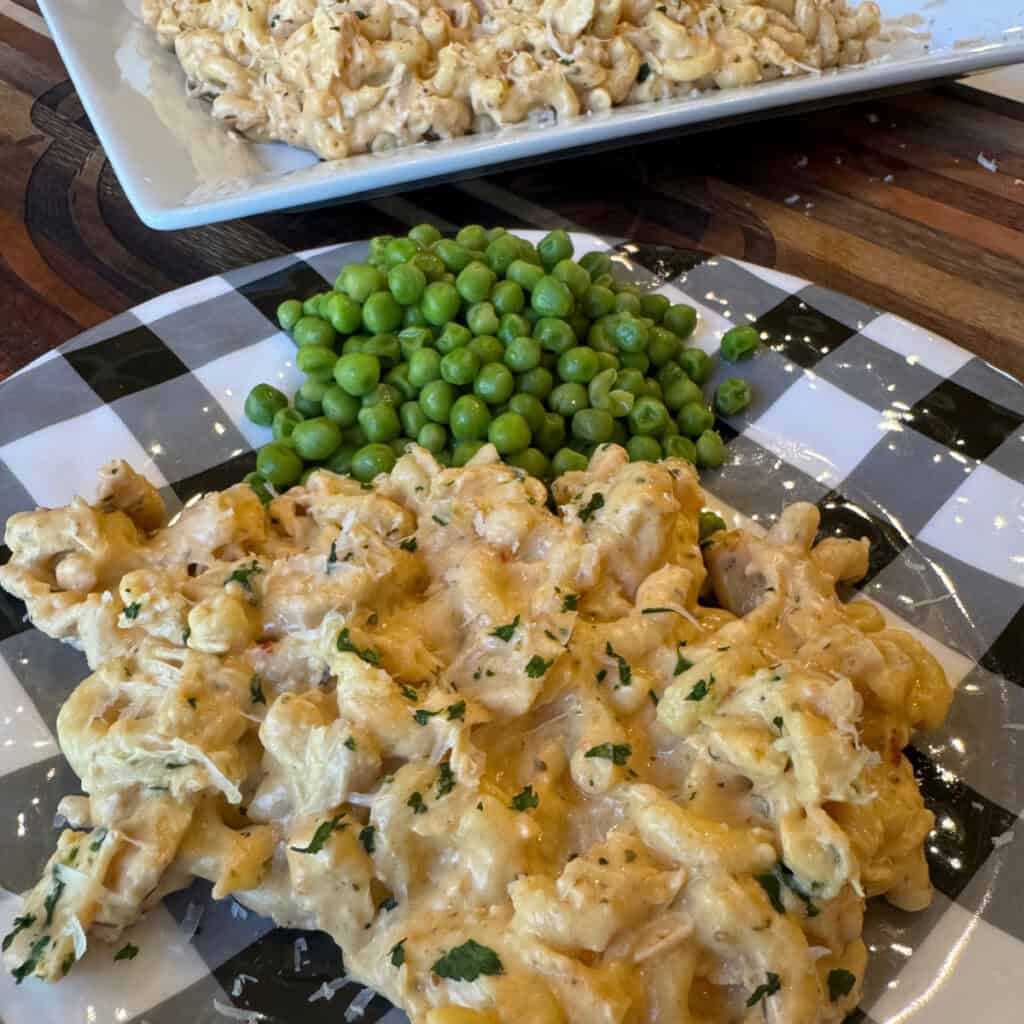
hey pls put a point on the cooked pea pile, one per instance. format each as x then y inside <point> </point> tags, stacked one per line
<point>454,342</point>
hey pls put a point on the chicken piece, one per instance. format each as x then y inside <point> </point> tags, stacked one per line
<point>121,489</point>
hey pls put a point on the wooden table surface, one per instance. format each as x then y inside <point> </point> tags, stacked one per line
<point>884,200</point>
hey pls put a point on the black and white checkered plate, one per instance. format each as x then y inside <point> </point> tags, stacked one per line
<point>894,433</point>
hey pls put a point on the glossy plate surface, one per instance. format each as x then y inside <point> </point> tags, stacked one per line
<point>180,168</point>
<point>894,433</point>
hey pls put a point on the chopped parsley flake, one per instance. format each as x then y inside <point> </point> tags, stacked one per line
<point>840,983</point>
<point>52,897</point>
<point>409,693</point>
<point>243,575</point>
<point>682,664</point>
<point>350,743</point>
<point>439,520</point>
<point>192,702</point>
<point>537,666</point>
<point>445,781</point>
<point>30,964</point>
<point>467,962</point>
<point>323,832</point>
<point>127,952</point>
<point>625,670</point>
<point>596,502</point>
<point>185,635</point>
<point>525,800</point>
<point>66,964</point>
<point>658,611</point>
<point>764,991</point>
<point>368,837</point>
<point>20,924</point>
<point>397,955</point>
<point>131,611</point>
<point>423,716</point>
<point>506,632</point>
<point>569,602</point>
<point>368,654</point>
<point>701,688</point>
<point>457,711</point>
<point>333,556</point>
<point>773,890</point>
<point>98,836</point>
<point>643,73</point>
<point>416,803</point>
<point>617,753</point>
<point>389,904</point>
<point>256,691</point>
<point>653,697</point>
<point>777,722</point>
<point>789,881</point>
<point>409,544</point>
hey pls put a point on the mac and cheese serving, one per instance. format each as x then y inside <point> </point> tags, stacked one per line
<point>523,760</point>
<point>354,76</point>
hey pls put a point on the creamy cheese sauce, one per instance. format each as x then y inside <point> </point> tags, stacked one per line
<point>522,760</point>
<point>367,75</point>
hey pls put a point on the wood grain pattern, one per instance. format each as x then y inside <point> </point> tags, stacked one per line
<point>893,208</point>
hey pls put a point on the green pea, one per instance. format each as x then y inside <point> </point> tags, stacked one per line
<point>425,235</point>
<point>343,312</point>
<point>412,339</point>
<point>356,343</point>
<point>620,435</point>
<point>482,319</point>
<point>554,247</point>
<point>511,326</point>
<point>412,418</point>
<point>311,330</point>
<point>740,343</point>
<point>596,263</point>
<point>284,423</point>
<point>258,482</point>
<point>534,461</point>
<point>599,336</point>
<point>316,439</point>
<point>597,302</point>
<point>383,393</point>
<point>399,250</point>
<point>372,460</point>
<point>568,461</point>
<point>472,236</point>
<point>508,297</point>
<point>378,245</point>
<point>412,316</point>
<point>311,306</point>
<point>524,274</point>
<point>550,435</point>
<point>354,436</point>
<point>697,364</point>
<point>454,256</point>
<point>385,347</point>
<point>592,425</point>
<point>643,449</point>
<point>630,380</point>
<point>440,302</point>
<point>433,437</point>
<point>578,364</point>
<point>663,346</point>
<point>459,367</point>
<point>312,390</point>
<point>709,523</point>
<point>469,419</point>
<point>381,313</point>
<point>406,283</point>
<point>289,313</point>
<point>732,396</point>
<point>648,417</point>
<point>316,361</point>
<point>263,403</point>
<point>509,433</point>
<point>522,354</point>
<point>530,408</point>
<point>339,406</point>
<point>400,445</point>
<point>627,302</point>
<point>554,335</point>
<point>567,399</point>
<point>629,334</point>
<point>537,382</point>
<point>606,361</point>
<point>358,373</point>
<point>424,366</point>
<point>681,319</point>
<point>573,276</point>
<point>501,253</point>
<point>359,281</point>
<point>679,447</point>
<point>444,457</point>
<point>654,306</point>
<point>279,464</point>
<point>452,337</point>
<point>487,349</point>
<point>380,422</point>
<point>604,394</point>
<point>397,378</point>
<point>431,266</point>
<point>652,389</point>
<point>494,384</point>
<point>475,282</point>
<point>436,400</point>
<point>464,451</point>
<point>341,460</point>
<point>635,361</point>
<point>551,298</point>
<point>694,419</point>
<point>711,451</point>
<point>681,392</point>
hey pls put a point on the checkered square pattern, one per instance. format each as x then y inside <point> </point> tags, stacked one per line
<point>896,435</point>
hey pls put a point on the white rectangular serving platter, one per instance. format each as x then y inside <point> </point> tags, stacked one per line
<point>180,168</point>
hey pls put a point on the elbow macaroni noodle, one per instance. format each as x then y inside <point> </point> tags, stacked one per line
<point>360,76</point>
<point>515,769</point>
